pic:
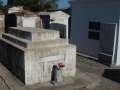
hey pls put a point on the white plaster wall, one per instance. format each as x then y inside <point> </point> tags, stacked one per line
<point>29,21</point>
<point>15,9</point>
<point>118,49</point>
<point>64,23</point>
<point>82,14</point>
<point>2,24</point>
<point>63,26</point>
<point>66,33</point>
<point>2,17</point>
<point>39,63</point>
<point>60,23</point>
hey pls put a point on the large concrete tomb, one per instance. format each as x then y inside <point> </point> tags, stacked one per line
<point>30,53</point>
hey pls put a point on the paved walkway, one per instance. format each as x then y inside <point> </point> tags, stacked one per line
<point>9,82</point>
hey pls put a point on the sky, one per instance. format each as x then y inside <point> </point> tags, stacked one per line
<point>61,3</point>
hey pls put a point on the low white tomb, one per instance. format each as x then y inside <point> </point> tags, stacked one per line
<point>15,9</point>
<point>57,20</point>
<point>22,20</point>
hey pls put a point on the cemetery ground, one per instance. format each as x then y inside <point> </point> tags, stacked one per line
<point>109,76</point>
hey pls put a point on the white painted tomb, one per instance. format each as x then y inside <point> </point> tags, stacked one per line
<point>57,20</point>
<point>88,20</point>
<point>16,20</point>
<point>30,53</point>
<point>15,9</point>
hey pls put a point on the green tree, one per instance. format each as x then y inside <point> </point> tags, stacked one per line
<point>6,7</point>
<point>1,4</point>
<point>35,5</point>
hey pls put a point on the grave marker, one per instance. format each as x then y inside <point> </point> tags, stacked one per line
<point>30,53</point>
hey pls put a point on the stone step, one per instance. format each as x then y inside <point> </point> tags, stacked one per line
<point>34,34</point>
<point>34,44</point>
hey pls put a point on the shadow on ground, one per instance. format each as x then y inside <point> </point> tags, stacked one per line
<point>112,74</point>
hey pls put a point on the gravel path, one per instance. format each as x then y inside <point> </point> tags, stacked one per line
<point>110,77</point>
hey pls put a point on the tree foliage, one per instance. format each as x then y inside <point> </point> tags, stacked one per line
<point>1,4</point>
<point>6,7</point>
<point>34,5</point>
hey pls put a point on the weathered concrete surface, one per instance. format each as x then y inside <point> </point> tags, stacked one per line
<point>2,24</point>
<point>34,21</point>
<point>15,9</point>
<point>9,81</point>
<point>35,44</point>
<point>34,34</point>
<point>31,53</point>
<point>80,80</point>
<point>57,20</point>
<point>21,20</point>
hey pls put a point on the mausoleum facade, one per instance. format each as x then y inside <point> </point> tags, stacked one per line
<point>94,27</point>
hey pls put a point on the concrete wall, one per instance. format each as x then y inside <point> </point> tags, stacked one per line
<point>2,24</point>
<point>118,47</point>
<point>13,58</point>
<point>15,9</point>
<point>82,14</point>
<point>28,21</point>
<point>30,53</point>
<point>12,20</point>
<point>60,23</point>
<point>39,63</point>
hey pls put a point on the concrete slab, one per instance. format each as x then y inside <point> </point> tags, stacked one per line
<point>79,80</point>
<point>23,49</point>
<point>34,34</point>
<point>9,80</point>
<point>35,44</point>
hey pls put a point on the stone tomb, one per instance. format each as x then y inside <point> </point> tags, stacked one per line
<point>23,19</point>
<point>15,9</point>
<point>30,53</point>
<point>57,21</point>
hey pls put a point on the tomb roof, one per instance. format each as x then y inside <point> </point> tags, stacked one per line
<point>54,13</point>
<point>91,1</point>
<point>32,29</point>
<point>25,13</point>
